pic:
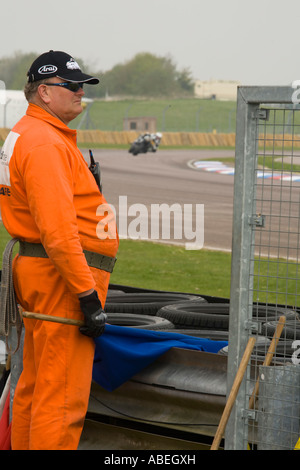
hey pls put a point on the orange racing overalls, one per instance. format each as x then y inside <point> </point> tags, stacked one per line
<point>48,195</point>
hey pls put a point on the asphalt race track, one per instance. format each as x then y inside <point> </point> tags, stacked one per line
<point>166,177</point>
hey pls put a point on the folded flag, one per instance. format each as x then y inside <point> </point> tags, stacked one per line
<point>121,352</point>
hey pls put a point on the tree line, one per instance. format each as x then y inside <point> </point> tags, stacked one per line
<point>145,75</point>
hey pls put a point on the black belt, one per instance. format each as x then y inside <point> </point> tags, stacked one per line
<point>94,260</point>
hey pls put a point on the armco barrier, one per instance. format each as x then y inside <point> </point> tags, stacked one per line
<point>200,139</point>
<point>169,138</point>
<point>3,133</point>
<point>172,139</point>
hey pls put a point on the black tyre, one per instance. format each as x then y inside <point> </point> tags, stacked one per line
<point>199,315</point>
<point>147,322</point>
<point>260,348</point>
<point>207,334</point>
<point>291,329</point>
<point>283,352</point>
<point>114,292</point>
<point>216,316</point>
<point>285,348</point>
<point>145,303</point>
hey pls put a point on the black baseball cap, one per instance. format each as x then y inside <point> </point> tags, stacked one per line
<point>58,64</point>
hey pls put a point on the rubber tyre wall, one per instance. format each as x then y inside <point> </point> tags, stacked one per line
<point>216,316</point>
<point>148,322</point>
<point>146,303</point>
<point>291,329</point>
<point>199,333</point>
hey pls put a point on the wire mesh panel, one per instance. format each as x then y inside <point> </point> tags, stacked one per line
<point>265,291</point>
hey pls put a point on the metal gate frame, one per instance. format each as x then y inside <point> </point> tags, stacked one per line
<point>249,101</point>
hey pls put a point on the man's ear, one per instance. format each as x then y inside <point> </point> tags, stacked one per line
<point>43,92</point>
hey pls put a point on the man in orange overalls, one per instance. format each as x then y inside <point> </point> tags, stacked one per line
<point>50,201</point>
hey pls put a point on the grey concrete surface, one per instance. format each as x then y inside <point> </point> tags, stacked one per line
<point>166,177</point>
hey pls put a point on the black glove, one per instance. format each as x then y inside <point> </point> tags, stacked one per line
<point>94,315</point>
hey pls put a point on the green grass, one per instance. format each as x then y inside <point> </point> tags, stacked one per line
<point>172,268</point>
<point>162,267</point>
<point>158,266</point>
<point>276,281</point>
<point>268,163</point>
<point>277,165</point>
<point>177,115</point>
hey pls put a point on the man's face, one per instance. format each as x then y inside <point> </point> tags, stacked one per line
<point>61,102</point>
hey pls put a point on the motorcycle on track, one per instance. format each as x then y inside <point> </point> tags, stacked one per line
<point>145,143</point>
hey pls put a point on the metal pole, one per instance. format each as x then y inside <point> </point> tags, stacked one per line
<point>126,116</point>
<point>197,118</point>
<point>4,112</point>
<point>233,393</point>
<point>164,113</point>
<point>240,301</point>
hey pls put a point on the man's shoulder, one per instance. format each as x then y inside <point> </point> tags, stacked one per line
<point>36,132</point>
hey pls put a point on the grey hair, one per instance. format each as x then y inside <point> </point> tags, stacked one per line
<point>30,88</point>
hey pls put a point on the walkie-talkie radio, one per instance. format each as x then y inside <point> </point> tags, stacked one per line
<point>95,170</point>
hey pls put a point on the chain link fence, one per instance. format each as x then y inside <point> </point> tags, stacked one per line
<point>265,281</point>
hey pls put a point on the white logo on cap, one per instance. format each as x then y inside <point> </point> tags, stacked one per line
<point>72,64</point>
<point>47,69</point>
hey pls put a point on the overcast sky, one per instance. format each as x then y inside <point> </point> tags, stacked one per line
<point>253,41</point>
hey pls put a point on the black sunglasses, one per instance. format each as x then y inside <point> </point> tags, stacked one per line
<point>69,85</point>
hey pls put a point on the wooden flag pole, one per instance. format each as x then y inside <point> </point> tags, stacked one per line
<point>233,393</point>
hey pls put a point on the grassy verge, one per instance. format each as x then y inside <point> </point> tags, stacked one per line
<point>95,145</point>
<point>163,267</point>
<point>172,115</point>
<point>158,266</point>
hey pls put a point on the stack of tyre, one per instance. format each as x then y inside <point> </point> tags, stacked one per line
<point>198,316</point>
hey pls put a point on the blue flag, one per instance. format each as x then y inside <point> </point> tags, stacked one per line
<point>121,352</point>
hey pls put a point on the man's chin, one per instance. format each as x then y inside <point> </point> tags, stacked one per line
<point>77,110</point>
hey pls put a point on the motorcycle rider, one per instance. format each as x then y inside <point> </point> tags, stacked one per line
<point>146,142</point>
